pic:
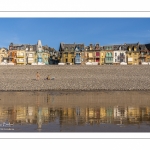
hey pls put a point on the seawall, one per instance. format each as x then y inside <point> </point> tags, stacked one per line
<point>75,77</point>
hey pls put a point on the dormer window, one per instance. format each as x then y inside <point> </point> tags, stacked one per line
<point>135,48</point>
<point>129,48</point>
<point>120,48</point>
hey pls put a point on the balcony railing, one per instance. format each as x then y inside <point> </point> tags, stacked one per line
<point>21,60</point>
<point>20,56</point>
<point>97,56</point>
<point>142,55</point>
<point>109,60</point>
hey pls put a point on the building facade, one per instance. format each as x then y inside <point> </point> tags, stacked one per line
<point>71,53</point>
<point>108,54</point>
<point>3,55</point>
<point>119,55</point>
<point>21,57</point>
<point>132,51</point>
<point>92,53</point>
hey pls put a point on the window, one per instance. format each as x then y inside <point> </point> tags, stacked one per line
<point>66,54</point>
<point>115,60</point>
<point>66,60</point>
<point>115,54</point>
<point>134,48</point>
<point>72,60</point>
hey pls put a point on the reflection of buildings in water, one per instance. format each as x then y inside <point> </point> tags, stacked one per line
<point>39,118</point>
<point>92,115</point>
<point>80,115</point>
<point>99,115</point>
<point>11,115</point>
<point>103,114</point>
<point>3,114</point>
<point>133,114</point>
<point>30,114</point>
<point>72,116</point>
<point>148,112</point>
<point>144,114</point>
<point>52,114</point>
<point>45,114</point>
<point>120,114</point>
<point>109,114</point>
<point>67,116</point>
<point>73,111</point>
<point>21,113</point>
<point>138,114</point>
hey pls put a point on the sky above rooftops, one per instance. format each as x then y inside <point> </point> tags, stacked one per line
<point>52,31</point>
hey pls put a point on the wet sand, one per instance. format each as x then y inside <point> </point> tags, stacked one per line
<point>75,78</point>
<point>64,99</point>
<point>109,111</point>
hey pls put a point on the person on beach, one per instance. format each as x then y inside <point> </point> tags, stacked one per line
<point>48,77</point>
<point>37,76</point>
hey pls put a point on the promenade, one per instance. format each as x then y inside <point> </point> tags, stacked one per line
<point>75,77</point>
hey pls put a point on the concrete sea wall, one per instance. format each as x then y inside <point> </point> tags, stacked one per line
<point>75,77</point>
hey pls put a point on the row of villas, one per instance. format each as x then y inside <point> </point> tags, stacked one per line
<point>26,54</point>
<point>131,54</point>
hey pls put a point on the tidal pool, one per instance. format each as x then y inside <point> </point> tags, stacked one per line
<point>75,111</point>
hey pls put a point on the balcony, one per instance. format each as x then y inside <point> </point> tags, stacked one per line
<point>96,56</point>
<point>20,56</point>
<point>39,56</point>
<point>21,61</point>
<point>90,56</point>
<point>30,55</point>
<point>142,55</point>
<point>30,60</point>
<point>109,60</point>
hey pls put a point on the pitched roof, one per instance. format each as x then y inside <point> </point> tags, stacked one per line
<point>69,46</point>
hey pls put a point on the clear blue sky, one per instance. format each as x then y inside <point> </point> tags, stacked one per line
<point>52,31</point>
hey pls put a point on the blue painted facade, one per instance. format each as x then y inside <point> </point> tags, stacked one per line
<point>39,57</point>
<point>109,58</point>
<point>77,55</point>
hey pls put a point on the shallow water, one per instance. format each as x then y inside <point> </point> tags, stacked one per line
<point>57,111</point>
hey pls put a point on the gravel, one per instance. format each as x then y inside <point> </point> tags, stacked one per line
<point>75,77</point>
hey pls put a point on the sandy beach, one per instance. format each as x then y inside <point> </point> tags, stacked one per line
<point>75,77</point>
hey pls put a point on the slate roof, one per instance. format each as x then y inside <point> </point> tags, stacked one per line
<point>132,45</point>
<point>117,47</point>
<point>70,46</point>
<point>106,46</point>
<point>93,46</point>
